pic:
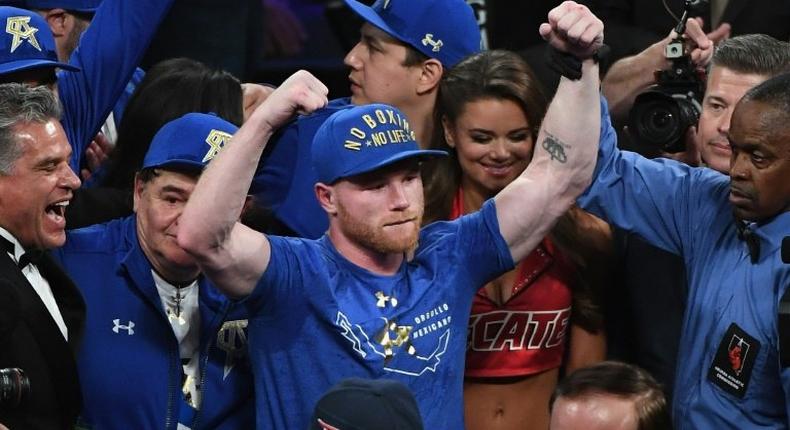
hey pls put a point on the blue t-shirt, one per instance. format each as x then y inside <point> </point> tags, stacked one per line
<point>316,318</point>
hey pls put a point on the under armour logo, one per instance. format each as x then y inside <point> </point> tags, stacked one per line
<point>216,140</point>
<point>118,327</point>
<point>555,149</point>
<point>382,300</point>
<point>19,27</point>
<point>436,44</point>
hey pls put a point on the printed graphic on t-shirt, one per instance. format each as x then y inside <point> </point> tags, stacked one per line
<point>410,346</point>
<point>732,366</point>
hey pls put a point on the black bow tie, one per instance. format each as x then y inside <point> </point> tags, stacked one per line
<point>752,240</point>
<point>32,256</point>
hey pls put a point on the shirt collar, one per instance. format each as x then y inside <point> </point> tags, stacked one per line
<point>774,230</point>
<point>18,248</point>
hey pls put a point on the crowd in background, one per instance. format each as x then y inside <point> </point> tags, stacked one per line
<point>481,214</point>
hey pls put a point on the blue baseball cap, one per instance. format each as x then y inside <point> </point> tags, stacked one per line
<point>26,42</point>
<point>443,29</point>
<point>362,139</point>
<point>88,6</point>
<point>189,142</point>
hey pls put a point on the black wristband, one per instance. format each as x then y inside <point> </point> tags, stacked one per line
<point>568,65</point>
<point>563,63</point>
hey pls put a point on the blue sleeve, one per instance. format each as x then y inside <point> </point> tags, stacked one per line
<point>487,253</point>
<point>661,200</point>
<point>274,290</point>
<point>108,53</point>
<point>128,91</point>
<point>471,244</point>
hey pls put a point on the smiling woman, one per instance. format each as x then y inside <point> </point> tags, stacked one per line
<point>491,107</point>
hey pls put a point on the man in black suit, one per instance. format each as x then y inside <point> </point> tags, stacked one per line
<point>36,185</point>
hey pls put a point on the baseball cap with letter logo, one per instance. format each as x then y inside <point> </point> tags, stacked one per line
<point>361,139</point>
<point>26,42</point>
<point>189,142</point>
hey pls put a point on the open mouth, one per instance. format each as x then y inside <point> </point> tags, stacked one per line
<point>57,211</point>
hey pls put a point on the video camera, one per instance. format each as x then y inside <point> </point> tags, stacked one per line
<point>661,115</point>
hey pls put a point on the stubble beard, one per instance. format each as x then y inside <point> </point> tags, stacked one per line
<point>376,238</point>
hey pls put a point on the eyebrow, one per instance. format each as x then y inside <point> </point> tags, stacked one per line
<point>372,40</point>
<point>47,161</point>
<point>515,130</point>
<point>173,189</point>
<point>716,98</point>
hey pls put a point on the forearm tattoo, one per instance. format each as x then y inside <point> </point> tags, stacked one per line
<point>555,148</point>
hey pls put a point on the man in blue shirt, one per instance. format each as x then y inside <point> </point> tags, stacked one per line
<point>728,355</point>
<point>376,297</point>
<point>163,348</point>
<point>404,48</point>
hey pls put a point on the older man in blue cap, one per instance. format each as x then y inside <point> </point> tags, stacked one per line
<point>162,347</point>
<point>404,48</point>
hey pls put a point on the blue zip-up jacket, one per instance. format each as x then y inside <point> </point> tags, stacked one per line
<point>108,54</point>
<point>728,372</point>
<point>129,364</point>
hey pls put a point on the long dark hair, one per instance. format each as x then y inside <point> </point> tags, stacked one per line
<point>170,89</point>
<point>502,74</point>
<point>494,74</point>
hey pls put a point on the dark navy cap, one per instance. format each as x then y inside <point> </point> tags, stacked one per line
<point>368,404</point>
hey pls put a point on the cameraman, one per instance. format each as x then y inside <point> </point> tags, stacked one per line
<point>653,286</point>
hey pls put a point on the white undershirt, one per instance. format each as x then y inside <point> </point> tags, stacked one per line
<point>40,285</point>
<point>186,327</point>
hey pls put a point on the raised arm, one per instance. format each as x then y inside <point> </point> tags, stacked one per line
<point>108,53</point>
<point>232,255</point>
<point>567,142</point>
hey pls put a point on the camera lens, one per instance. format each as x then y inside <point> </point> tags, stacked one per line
<point>661,120</point>
<point>14,387</point>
